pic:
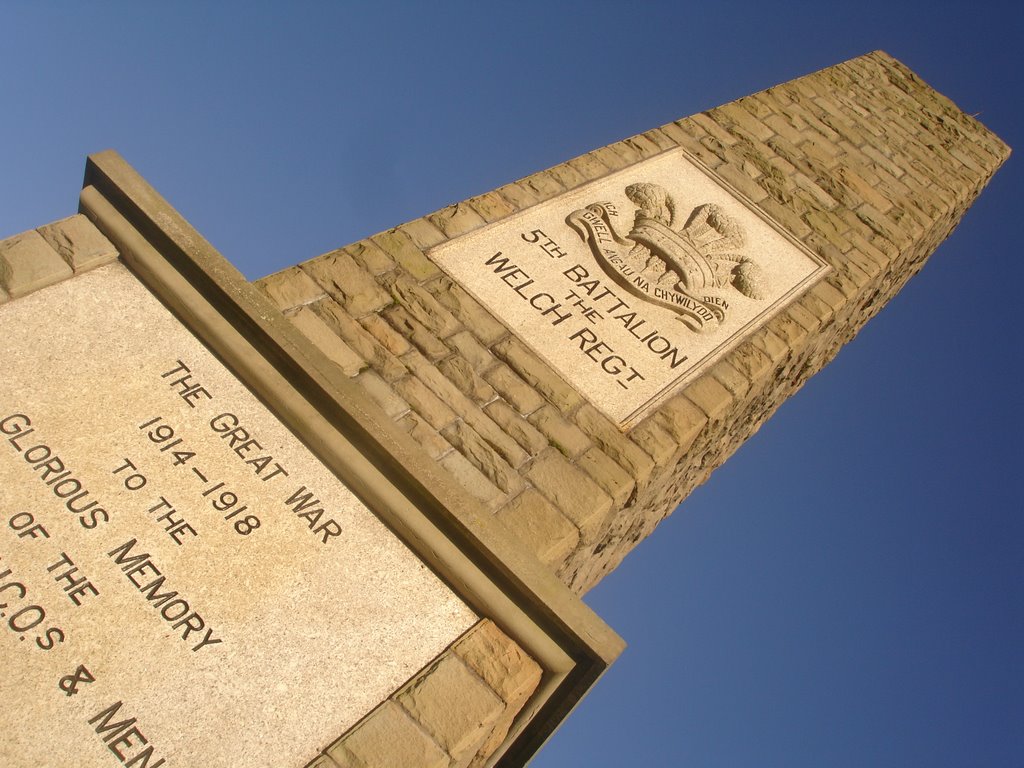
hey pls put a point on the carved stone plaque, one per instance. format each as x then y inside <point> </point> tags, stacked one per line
<point>181,582</point>
<point>632,285</point>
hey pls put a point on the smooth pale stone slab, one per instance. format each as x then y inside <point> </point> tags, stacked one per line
<point>633,285</point>
<point>301,623</point>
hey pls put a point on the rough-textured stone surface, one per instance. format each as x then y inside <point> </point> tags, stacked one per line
<point>456,723</point>
<point>452,714</point>
<point>511,386</point>
<point>499,662</point>
<point>506,669</point>
<point>352,286</point>
<point>337,351</point>
<point>28,263</point>
<point>78,242</point>
<point>862,162</point>
<point>473,480</point>
<point>516,427</point>
<point>360,340</point>
<point>290,288</point>
<point>424,434</point>
<point>389,737</point>
<point>371,257</point>
<point>570,490</point>
<point>563,434</point>
<point>456,219</point>
<point>422,233</point>
<point>615,481</point>
<point>467,310</point>
<point>539,525</point>
<point>403,249</point>
<point>483,456</point>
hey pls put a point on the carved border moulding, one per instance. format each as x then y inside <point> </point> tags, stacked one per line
<point>632,285</point>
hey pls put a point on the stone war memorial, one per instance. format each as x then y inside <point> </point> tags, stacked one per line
<point>343,516</point>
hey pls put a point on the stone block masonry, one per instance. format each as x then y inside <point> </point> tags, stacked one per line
<point>862,163</point>
<point>453,714</point>
<point>50,254</point>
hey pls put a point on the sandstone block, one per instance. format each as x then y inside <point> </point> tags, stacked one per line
<point>734,114</point>
<point>563,434</point>
<point>467,309</point>
<point>327,341</point>
<point>589,166</point>
<point>385,335</point>
<point>466,345</point>
<point>473,480</point>
<point>370,257</point>
<point>612,478</point>
<point>462,374</point>
<point>710,396</point>
<point>502,664</point>
<point>290,288</point>
<point>655,442</point>
<point>28,263</point>
<point>611,159</point>
<point>710,126</point>
<point>518,195</point>
<point>778,352</point>
<point>421,305</point>
<point>510,386</point>
<point>403,249</point>
<point>359,339</point>
<point>424,402</point>
<point>751,363</point>
<point>567,176</point>
<point>388,738</point>
<point>544,184</point>
<point>742,182</point>
<point>345,280</point>
<point>453,705</point>
<point>543,529</point>
<point>786,328</point>
<point>659,139</point>
<point>681,419</point>
<point>538,373</point>
<point>805,319</point>
<point>726,374</point>
<point>608,437</point>
<point>382,394</point>
<point>428,438</point>
<point>683,134</point>
<point>422,233</point>
<point>482,456</point>
<point>572,491</point>
<point>518,428</point>
<point>413,330</point>
<point>78,242</point>
<point>491,206</point>
<point>456,220</point>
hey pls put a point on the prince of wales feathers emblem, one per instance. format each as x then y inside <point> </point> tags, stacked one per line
<point>691,270</point>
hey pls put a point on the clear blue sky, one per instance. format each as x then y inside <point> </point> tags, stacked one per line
<point>847,590</point>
